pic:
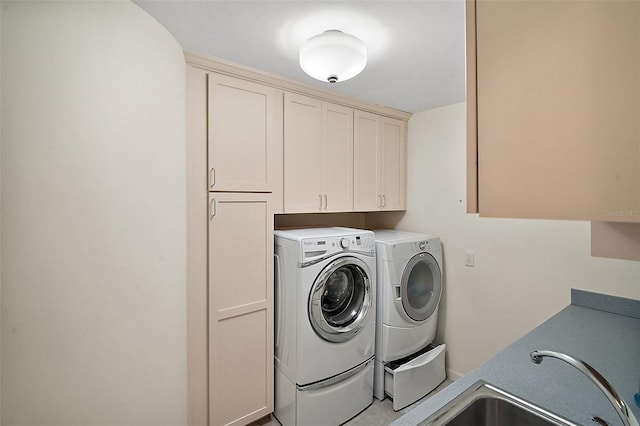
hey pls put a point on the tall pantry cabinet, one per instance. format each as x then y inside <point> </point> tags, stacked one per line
<point>235,166</point>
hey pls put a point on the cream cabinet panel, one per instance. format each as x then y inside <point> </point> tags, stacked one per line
<point>302,154</point>
<point>318,155</point>
<point>365,147</point>
<point>380,162</point>
<point>245,135</point>
<point>337,157</point>
<point>393,162</point>
<point>242,369</point>
<point>558,109</point>
<point>197,259</point>
<point>240,307</point>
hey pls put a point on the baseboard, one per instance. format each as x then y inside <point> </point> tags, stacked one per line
<point>453,375</point>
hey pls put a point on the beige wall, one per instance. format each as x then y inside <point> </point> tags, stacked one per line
<point>93,217</point>
<point>524,269</point>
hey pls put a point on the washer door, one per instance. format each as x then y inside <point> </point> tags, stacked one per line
<point>421,286</point>
<point>341,299</point>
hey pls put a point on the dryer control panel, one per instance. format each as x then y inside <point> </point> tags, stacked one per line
<point>426,245</point>
<point>405,250</point>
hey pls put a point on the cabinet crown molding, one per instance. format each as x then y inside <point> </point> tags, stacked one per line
<point>211,63</point>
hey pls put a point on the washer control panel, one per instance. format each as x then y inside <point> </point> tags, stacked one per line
<point>356,242</point>
<point>330,245</point>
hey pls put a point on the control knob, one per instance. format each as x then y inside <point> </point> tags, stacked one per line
<point>423,245</point>
<point>344,243</point>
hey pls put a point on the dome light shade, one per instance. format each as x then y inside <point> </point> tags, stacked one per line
<point>333,56</point>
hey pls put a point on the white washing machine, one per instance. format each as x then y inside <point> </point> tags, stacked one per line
<point>325,281</point>
<point>410,279</point>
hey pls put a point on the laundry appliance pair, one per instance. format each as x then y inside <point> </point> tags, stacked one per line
<point>329,289</point>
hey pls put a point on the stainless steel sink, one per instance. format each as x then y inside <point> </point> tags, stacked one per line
<point>485,405</point>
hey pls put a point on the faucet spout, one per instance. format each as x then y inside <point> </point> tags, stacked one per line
<point>627,417</point>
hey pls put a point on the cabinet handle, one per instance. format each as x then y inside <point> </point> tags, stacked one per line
<point>320,197</point>
<point>384,200</point>
<point>325,201</point>
<point>280,294</point>
<point>212,177</point>
<point>212,208</point>
<point>379,200</point>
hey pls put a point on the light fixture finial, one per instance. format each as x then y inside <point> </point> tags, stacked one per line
<point>333,56</point>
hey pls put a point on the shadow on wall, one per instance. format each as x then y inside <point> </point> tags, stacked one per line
<point>383,220</point>
<point>309,220</point>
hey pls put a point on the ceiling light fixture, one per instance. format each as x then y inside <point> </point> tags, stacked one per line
<point>333,56</point>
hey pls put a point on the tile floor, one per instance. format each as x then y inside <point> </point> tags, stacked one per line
<point>380,413</point>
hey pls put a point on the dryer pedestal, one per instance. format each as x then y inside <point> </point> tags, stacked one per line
<point>409,379</point>
<point>378,380</point>
<point>398,342</point>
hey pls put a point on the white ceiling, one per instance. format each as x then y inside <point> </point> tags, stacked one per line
<point>415,48</point>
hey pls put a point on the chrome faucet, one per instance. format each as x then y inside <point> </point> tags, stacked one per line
<point>627,417</point>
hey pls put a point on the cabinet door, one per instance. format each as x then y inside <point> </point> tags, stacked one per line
<point>391,175</point>
<point>337,157</point>
<point>240,308</point>
<point>302,154</point>
<point>245,135</point>
<point>558,109</point>
<point>366,196</point>
<point>379,163</point>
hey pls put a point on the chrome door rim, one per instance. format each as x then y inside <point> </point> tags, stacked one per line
<point>315,313</point>
<point>421,314</point>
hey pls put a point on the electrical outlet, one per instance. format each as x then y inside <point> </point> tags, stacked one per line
<point>468,258</point>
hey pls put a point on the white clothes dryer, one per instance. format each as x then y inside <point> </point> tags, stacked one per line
<point>410,280</point>
<point>325,281</point>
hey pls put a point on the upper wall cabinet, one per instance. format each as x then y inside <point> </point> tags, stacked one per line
<point>245,135</point>
<point>558,109</point>
<point>380,162</point>
<point>318,155</point>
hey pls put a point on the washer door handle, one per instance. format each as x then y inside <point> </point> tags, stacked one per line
<point>398,292</point>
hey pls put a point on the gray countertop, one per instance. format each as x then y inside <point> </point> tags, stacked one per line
<point>603,331</point>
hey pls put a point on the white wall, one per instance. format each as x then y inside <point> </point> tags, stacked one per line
<point>93,216</point>
<point>524,269</point>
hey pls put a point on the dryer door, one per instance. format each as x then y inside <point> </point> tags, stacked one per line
<point>421,286</point>
<point>341,299</point>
